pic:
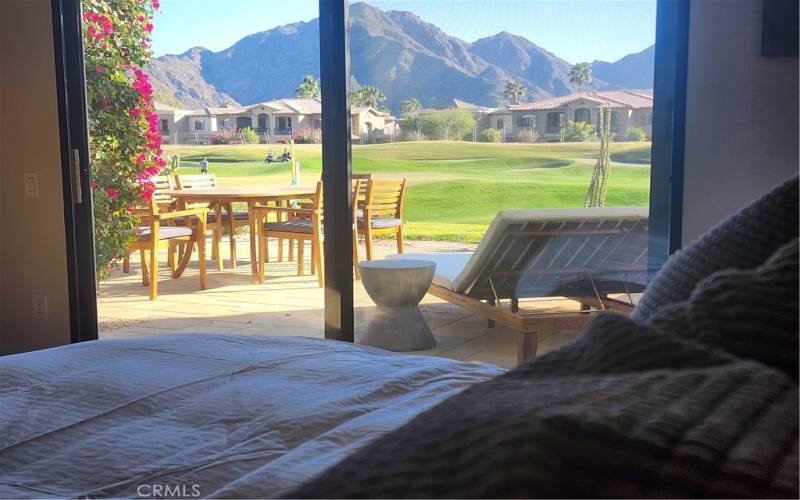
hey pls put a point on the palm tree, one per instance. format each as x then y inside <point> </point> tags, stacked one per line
<point>366,95</point>
<point>514,91</point>
<point>410,105</point>
<point>308,88</point>
<point>580,75</point>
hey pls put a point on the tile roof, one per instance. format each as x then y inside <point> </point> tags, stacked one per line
<point>612,98</point>
<point>299,105</point>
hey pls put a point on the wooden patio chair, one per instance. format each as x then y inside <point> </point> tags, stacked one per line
<point>302,224</point>
<point>382,212</point>
<point>157,230</point>
<point>164,202</point>
<point>219,216</point>
<point>360,182</point>
<point>588,255</point>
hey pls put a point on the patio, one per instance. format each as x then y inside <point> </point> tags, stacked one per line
<point>287,305</point>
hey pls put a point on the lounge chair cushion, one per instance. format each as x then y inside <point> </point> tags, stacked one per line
<point>165,232</point>
<point>302,226</point>
<point>473,265</point>
<point>448,264</point>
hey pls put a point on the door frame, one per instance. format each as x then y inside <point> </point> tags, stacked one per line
<point>78,211</point>
<point>666,179</point>
<point>668,130</point>
<point>337,169</point>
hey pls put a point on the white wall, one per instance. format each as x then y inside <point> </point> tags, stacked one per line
<point>741,114</point>
<point>32,239</point>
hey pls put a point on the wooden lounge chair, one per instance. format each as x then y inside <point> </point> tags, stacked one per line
<point>584,254</point>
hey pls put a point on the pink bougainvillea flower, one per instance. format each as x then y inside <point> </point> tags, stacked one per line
<point>99,68</point>
<point>135,113</point>
<point>112,193</point>
<point>148,27</point>
<point>156,4</point>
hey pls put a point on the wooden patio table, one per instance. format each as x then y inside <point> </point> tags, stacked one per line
<point>219,198</point>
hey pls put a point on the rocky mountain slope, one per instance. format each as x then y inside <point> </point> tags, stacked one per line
<point>396,51</point>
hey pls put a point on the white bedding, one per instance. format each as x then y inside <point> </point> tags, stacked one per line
<point>215,415</point>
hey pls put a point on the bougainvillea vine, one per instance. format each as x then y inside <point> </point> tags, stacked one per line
<point>124,137</point>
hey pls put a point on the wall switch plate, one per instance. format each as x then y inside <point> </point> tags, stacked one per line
<point>40,307</point>
<point>31,185</point>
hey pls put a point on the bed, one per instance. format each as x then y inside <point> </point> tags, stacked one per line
<point>212,415</point>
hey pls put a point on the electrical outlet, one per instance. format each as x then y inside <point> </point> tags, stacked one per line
<point>31,185</point>
<point>40,307</point>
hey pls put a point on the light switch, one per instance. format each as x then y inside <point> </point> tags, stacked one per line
<point>31,185</point>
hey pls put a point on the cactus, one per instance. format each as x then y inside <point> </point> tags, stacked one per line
<point>596,197</point>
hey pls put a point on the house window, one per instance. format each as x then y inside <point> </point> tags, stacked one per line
<point>244,122</point>
<point>553,121</point>
<point>226,123</point>
<point>199,125</point>
<point>583,115</point>
<point>523,121</point>
<point>500,124</point>
<point>165,125</point>
<point>614,119</point>
<point>285,123</point>
<point>262,122</point>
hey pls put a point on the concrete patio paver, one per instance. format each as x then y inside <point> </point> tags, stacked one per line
<point>286,305</point>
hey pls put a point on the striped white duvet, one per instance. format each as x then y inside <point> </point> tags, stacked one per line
<point>203,415</point>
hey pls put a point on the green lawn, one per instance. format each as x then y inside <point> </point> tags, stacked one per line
<point>455,188</point>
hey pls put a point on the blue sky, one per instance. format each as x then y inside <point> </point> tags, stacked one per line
<point>575,30</point>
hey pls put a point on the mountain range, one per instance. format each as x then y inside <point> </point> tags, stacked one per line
<point>396,51</point>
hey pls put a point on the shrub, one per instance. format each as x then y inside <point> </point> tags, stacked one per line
<point>124,139</point>
<point>491,135</point>
<point>528,135</point>
<point>249,135</point>
<point>226,136</point>
<point>447,124</point>
<point>307,136</point>
<point>637,134</point>
<point>578,132</point>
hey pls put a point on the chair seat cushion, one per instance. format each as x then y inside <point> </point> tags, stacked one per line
<point>302,226</point>
<point>382,222</point>
<point>165,232</point>
<point>242,216</point>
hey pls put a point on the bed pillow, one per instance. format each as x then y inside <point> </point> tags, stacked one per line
<point>743,241</point>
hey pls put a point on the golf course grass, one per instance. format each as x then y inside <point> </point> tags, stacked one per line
<point>455,188</point>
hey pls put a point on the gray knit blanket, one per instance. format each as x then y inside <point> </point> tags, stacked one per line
<point>696,395</point>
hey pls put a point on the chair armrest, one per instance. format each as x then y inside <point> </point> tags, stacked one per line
<point>199,212</point>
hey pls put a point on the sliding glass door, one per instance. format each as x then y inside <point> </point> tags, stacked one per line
<point>425,122</point>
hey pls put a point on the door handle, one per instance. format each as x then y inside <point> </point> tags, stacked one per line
<point>75,176</point>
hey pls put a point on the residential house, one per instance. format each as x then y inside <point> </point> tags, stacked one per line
<point>544,120</point>
<point>369,126</point>
<point>276,120</point>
